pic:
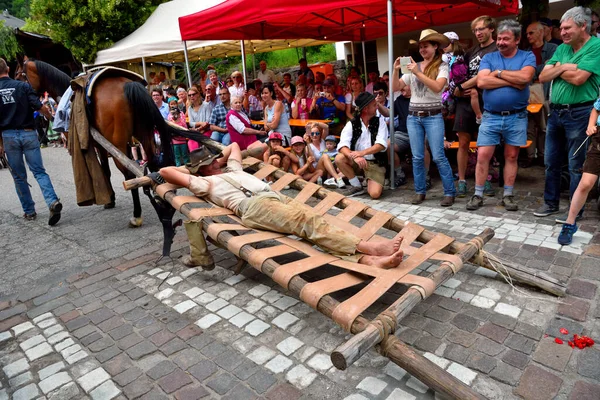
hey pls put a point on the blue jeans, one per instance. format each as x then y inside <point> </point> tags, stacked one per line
<point>565,132</point>
<point>222,138</point>
<point>433,127</point>
<point>19,143</point>
<point>511,128</point>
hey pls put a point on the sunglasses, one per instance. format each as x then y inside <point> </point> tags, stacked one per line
<point>317,133</point>
<point>224,94</point>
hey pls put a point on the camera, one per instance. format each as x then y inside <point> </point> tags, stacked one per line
<point>322,94</point>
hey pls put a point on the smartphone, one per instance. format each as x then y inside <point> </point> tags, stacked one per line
<point>404,61</point>
<point>322,94</point>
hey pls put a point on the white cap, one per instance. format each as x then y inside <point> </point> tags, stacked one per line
<point>452,36</point>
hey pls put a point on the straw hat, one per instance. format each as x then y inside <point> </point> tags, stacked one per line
<point>429,35</point>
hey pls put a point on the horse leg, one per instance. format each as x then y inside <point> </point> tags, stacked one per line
<point>106,170</point>
<point>137,220</point>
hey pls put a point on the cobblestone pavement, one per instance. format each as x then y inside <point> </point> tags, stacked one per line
<point>84,312</point>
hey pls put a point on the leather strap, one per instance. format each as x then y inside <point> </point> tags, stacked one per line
<point>328,202</point>
<point>235,244</point>
<point>179,201</point>
<point>284,181</point>
<point>259,256</point>
<point>374,224</point>
<point>312,293</point>
<point>265,171</point>
<point>250,161</point>
<point>198,213</point>
<point>351,211</point>
<point>424,285</point>
<point>284,273</point>
<point>307,192</point>
<point>214,229</point>
<point>164,188</point>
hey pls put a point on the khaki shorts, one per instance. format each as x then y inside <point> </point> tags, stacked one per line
<point>373,171</point>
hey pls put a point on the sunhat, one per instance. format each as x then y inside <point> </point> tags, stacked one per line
<point>429,35</point>
<point>200,157</point>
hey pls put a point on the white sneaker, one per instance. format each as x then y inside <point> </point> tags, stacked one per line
<point>330,183</point>
<point>340,183</point>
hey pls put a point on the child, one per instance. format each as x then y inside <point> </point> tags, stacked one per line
<point>591,170</point>
<point>275,154</point>
<point>330,151</point>
<point>179,143</point>
<point>454,55</point>
<point>305,167</point>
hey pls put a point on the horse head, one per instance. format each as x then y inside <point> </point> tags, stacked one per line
<point>20,72</point>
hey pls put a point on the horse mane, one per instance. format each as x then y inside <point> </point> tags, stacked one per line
<point>51,78</point>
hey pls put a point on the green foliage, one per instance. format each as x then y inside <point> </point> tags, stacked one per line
<point>20,8</point>
<point>87,26</point>
<point>9,48</point>
<point>593,4</point>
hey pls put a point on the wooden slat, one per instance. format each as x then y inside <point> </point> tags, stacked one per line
<point>282,182</point>
<point>284,273</point>
<point>234,245</point>
<point>345,313</point>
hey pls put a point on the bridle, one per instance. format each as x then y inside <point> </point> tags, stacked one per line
<point>23,75</point>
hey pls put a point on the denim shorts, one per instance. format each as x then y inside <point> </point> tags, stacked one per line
<point>512,128</point>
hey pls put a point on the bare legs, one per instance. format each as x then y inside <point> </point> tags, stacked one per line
<point>381,248</point>
<point>586,184</point>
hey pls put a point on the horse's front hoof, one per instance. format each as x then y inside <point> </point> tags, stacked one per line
<point>135,222</point>
<point>109,206</point>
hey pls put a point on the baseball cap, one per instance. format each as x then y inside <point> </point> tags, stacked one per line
<point>275,135</point>
<point>546,22</point>
<point>297,139</point>
<point>331,138</point>
<point>328,82</point>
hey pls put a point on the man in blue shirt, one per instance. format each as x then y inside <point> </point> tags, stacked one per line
<point>330,107</point>
<point>160,104</point>
<point>504,76</point>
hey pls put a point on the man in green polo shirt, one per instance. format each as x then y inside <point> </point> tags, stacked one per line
<point>574,71</point>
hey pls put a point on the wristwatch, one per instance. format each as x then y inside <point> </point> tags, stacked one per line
<point>459,86</point>
<point>499,73</point>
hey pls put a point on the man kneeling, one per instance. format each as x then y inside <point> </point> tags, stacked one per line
<point>259,207</point>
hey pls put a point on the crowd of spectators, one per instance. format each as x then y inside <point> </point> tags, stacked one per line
<point>445,93</point>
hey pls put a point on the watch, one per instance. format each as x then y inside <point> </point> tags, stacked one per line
<point>499,73</point>
<point>460,87</point>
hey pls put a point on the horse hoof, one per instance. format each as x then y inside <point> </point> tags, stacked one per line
<point>109,206</point>
<point>135,222</point>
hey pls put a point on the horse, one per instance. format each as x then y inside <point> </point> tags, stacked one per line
<point>120,109</point>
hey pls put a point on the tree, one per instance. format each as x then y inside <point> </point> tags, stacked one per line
<point>9,47</point>
<point>20,8</point>
<point>85,27</point>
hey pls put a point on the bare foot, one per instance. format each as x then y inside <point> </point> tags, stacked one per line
<point>385,262</point>
<point>380,248</point>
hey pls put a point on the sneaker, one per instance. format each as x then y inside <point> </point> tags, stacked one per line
<point>462,189</point>
<point>340,183</point>
<point>354,191</point>
<point>566,234</point>
<point>30,217</point>
<point>474,202</point>
<point>545,210</point>
<point>330,183</point>
<point>55,209</point>
<point>509,203</point>
<point>488,190</point>
<point>399,181</point>
<point>428,184</point>
<point>563,218</point>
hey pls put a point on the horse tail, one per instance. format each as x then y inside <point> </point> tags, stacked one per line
<point>147,117</point>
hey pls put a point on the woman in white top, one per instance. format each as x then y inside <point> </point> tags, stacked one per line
<point>239,128</point>
<point>427,80</point>
<point>356,88</point>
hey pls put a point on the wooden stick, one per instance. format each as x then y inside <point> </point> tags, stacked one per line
<point>128,163</point>
<point>359,344</point>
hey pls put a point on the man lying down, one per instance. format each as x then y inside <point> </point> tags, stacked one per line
<point>259,207</point>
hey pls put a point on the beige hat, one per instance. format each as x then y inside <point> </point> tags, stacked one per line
<point>200,157</point>
<point>429,35</point>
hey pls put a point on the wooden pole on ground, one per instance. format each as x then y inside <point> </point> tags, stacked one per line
<point>131,165</point>
<point>355,347</point>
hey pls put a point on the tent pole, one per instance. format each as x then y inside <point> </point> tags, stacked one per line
<point>144,68</point>
<point>253,65</point>
<point>364,60</point>
<point>243,47</point>
<point>392,76</point>
<point>353,60</point>
<point>187,64</point>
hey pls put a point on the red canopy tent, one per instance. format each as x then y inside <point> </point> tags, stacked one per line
<point>336,20</point>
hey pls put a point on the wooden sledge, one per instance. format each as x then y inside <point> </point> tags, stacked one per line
<point>271,252</point>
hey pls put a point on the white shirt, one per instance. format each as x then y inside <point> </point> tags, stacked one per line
<point>364,141</point>
<point>237,124</point>
<point>423,98</point>
<point>266,77</point>
<point>237,91</point>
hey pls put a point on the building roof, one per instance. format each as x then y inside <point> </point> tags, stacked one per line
<point>10,21</point>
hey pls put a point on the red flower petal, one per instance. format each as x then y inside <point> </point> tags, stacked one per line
<point>571,344</point>
<point>557,340</point>
<point>564,331</point>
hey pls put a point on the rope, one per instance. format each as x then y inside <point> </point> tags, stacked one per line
<point>386,324</point>
<point>501,269</point>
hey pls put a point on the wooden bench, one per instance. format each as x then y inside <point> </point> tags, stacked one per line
<point>473,145</point>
